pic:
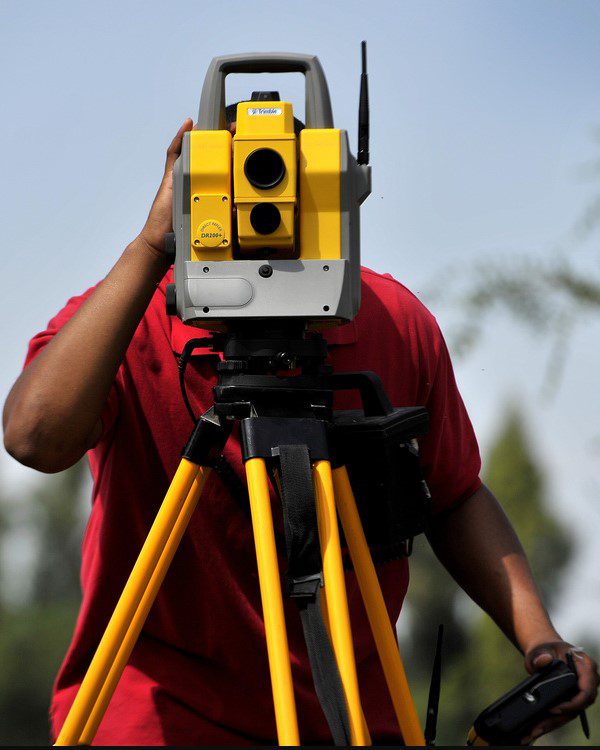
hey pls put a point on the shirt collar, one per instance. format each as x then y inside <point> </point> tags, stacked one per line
<point>180,333</point>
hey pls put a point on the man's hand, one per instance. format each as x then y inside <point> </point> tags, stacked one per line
<point>160,218</point>
<point>587,672</point>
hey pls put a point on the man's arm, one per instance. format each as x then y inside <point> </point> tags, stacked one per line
<point>478,546</point>
<point>52,414</point>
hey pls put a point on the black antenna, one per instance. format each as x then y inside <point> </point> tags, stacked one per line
<point>363,111</point>
<point>434,692</point>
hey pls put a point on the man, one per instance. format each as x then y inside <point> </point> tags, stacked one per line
<point>102,379</point>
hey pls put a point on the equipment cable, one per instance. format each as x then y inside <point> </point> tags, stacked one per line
<point>221,465</point>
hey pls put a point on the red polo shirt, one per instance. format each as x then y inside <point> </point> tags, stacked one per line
<point>199,673</point>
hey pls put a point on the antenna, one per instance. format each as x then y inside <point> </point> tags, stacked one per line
<point>434,692</point>
<point>363,111</point>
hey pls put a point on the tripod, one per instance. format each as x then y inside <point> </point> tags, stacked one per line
<point>280,390</point>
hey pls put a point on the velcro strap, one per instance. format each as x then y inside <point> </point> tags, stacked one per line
<point>299,518</point>
<point>305,578</point>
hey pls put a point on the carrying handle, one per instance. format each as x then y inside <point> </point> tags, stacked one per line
<point>212,100</point>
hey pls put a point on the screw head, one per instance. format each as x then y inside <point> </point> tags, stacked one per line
<point>265,271</point>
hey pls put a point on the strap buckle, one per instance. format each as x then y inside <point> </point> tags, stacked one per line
<point>305,587</point>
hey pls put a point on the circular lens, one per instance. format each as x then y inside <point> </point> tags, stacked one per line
<point>264,168</point>
<point>265,218</point>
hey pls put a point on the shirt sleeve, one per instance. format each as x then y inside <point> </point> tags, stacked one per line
<point>449,452</point>
<point>38,342</point>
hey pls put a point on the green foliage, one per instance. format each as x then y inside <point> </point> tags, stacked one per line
<point>479,662</point>
<point>33,641</point>
<point>34,634</point>
<point>3,529</point>
<point>516,479</point>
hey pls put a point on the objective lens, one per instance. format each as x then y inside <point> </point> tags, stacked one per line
<point>265,218</point>
<point>264,168</point>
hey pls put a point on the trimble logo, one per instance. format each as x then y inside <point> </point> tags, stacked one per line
<point>264,111</point>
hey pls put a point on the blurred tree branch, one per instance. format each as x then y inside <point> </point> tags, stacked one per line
<point>548,296</point>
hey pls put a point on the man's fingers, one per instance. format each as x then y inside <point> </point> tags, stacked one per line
<point>588,690</point>
<point>541,655</point>
<point>175,148</point>
<point>542,659</point>
<point>577,703</point>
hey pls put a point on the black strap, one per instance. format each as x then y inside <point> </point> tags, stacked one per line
<point>305,576</point>
<point>299,512</point>
<point>326,676</point>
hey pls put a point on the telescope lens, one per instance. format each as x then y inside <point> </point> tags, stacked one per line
<point>265,218</point>
<point>264,168</point>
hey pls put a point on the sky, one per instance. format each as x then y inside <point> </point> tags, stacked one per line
<point>482,114</point>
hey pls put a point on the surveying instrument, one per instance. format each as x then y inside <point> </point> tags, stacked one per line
<point>266,254</point>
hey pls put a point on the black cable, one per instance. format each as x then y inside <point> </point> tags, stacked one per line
<point>221,466</point>
<point>182,363</point>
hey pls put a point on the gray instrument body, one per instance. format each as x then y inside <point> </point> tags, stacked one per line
<point>226,290</point>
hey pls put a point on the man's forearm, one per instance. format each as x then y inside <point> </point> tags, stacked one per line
<point>478,546</point>
<point>53,411</point>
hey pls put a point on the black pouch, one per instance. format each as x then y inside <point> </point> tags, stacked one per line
<point>382,458</point>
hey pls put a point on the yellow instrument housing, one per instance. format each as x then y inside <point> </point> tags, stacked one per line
<point>310,190</point>
<point>320,194</point>
<point>262,125</point>
<point>210,195</point>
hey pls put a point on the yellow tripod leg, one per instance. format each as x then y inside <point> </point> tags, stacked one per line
<point>127,605</point>
<point>325,613</point>
<point>272,603</point>
<point>144,607</point>
<point>383,634</point>
<point>337,603</point>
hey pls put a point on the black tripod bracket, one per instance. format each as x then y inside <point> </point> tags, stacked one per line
<point>208,439</point>
<point>262,436</point>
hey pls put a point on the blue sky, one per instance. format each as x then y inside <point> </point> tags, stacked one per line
<point>481,112</point>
